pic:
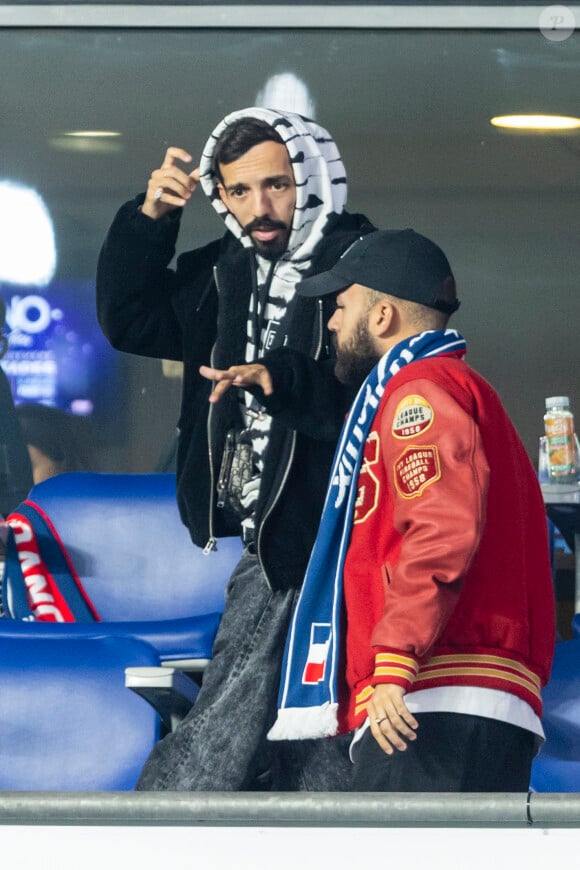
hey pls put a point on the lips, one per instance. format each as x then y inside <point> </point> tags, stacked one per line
<point>264,227</point>
<point>265,235</point>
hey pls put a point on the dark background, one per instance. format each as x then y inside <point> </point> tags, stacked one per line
<point>410,111</point>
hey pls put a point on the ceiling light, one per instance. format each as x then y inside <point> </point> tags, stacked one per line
<point>28,255</point>
<point>286,91</point>
<point>92,134</point>
<point>536,122</point>
<point>88,141</point>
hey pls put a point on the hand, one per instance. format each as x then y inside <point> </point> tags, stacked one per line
<point>390,719</point>
<point>252,374</point>
<point>175,184</point>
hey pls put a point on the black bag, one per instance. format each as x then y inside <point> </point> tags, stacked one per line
<point>237,470</point>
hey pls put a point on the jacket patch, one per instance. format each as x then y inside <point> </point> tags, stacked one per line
<point>413,416</point>
<point>367,497</point>
<point>415,469</point>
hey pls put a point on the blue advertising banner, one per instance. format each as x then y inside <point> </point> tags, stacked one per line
<point>57,355</point>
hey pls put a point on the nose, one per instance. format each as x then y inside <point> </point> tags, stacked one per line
<point>332,324</point>
<point>261,203</point>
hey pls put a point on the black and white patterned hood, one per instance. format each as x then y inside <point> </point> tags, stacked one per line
<point>321,186</point>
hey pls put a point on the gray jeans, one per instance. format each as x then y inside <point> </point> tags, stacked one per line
<point>221,745</point>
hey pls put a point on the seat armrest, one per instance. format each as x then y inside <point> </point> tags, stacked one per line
<point>169,691</point>
<point>190,666</point>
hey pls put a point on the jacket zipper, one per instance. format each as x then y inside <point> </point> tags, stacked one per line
<point>212,541</point>
<point>320,329</point>
<point>273,505</point>
<point>292,451</point>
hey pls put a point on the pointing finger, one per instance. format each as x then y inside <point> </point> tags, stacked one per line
<point>172,154</point>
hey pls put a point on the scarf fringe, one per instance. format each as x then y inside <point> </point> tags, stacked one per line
<point>303,723</point>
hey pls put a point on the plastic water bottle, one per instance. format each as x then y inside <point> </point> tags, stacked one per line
<point>559,429</point>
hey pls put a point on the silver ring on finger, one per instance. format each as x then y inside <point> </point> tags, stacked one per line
<point>158,193</point>
<point>382,719</point>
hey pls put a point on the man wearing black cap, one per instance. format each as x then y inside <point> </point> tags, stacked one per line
<point>425,626</point>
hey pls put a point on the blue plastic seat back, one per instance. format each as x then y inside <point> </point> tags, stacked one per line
<point>557,767</point>
<point>67,722</point>
<point>174,640</point>
<point>129,548</point>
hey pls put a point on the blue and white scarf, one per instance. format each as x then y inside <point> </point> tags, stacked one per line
<point>308,699</point>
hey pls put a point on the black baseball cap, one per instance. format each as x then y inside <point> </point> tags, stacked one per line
<point>402,263</point>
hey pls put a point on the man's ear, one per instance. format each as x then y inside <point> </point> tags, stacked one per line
<point>381,319</point>
<point>222,193</point>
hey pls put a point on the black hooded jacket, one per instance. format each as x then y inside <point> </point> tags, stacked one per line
<point>197,313</point>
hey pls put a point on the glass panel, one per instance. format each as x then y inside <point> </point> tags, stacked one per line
<point>410,111</point>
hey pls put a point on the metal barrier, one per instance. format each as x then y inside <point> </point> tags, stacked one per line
<point>306,810</point>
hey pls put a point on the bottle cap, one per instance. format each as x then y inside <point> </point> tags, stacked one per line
<point>557,400</point>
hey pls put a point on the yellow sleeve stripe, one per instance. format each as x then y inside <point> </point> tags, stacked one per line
<point>395,659</point>
<point>364,695</point>
<point>439,663</point>
<point>486,673</point>
<point>386,671</point>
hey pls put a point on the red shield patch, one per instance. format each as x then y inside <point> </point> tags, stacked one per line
<point>415,469</point>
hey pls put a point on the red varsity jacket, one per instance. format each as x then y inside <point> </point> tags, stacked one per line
<point>447,579</point>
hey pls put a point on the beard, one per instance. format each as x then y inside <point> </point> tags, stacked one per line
<point>357,358</point>
<point>273,249</point>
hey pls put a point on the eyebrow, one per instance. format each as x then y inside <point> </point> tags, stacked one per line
<point>266,181</point>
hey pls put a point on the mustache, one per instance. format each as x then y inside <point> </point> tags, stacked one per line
<point>264,223</point>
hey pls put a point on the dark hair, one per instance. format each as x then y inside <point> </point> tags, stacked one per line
<point>238,138</point>
<point>54,433</point>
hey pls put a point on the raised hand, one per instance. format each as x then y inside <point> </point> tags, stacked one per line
<point>169,186</point>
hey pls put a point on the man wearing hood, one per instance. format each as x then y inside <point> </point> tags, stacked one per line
<point>255,463</point>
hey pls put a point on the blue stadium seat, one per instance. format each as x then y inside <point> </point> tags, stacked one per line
<point>557,767</point>
<point>131,555</point>
<point>67,722</point>
<point>67,719</point>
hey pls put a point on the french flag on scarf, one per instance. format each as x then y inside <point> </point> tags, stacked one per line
<point>317,653</point>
